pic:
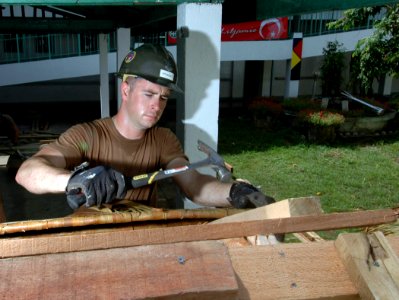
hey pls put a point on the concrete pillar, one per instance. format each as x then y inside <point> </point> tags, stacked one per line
<point>104,82</point>
<point>123,47</point>
<point>198,52</point>
<point>387,85</point>
<point>267,78</point>
<point>198,58</point>
<point>237,90</point>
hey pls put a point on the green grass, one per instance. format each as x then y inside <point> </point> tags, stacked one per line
<point>347,175</point>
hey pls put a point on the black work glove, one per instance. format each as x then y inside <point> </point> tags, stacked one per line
<point>244,195</point>
<point>94,186</point>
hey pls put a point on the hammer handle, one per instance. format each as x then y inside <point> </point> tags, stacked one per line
<point>145,179</point>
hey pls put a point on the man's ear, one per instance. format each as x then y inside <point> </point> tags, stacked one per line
<point>125,88</point>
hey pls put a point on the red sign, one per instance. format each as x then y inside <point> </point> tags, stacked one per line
<point>270,29</point>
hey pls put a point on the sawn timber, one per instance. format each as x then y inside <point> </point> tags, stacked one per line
<point>69,242</point>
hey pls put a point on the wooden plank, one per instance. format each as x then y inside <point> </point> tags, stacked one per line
<point>371,263</point>
<point>308,237</point>
<point>42,244</point>
<point>291,271</point>
<point>281,209</point>
<point>197,270</point>
<point>294,271</point>
<point>2,212</point>
<point>4,159</point>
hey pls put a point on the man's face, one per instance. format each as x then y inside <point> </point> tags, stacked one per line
<point>145,102</point>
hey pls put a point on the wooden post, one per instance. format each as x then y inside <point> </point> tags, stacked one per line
<point>371,263</point>
<point>2,212</point>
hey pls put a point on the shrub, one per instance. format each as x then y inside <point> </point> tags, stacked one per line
<point>322,118</point>
<point>264,106</point>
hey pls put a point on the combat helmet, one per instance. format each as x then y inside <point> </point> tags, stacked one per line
<point>152,62</point>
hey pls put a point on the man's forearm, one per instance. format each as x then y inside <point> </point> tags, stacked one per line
<point>204,189</point>
<point>213,193</point>
<point>38,176</point>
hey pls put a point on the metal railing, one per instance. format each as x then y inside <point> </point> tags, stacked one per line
<point>15,48</point>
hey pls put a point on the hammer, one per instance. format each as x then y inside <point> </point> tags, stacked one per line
<point>213,159</point>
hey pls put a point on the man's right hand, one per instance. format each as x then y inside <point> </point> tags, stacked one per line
<point>95,186</point>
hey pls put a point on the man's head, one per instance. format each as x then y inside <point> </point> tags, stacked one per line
<point>153,63</point>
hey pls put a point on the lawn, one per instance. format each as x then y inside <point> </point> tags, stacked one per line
<point>347,175</point>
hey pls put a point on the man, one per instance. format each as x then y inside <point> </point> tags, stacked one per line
<point>126,145</point>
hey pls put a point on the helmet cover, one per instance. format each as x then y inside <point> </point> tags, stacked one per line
<point>153,63</point>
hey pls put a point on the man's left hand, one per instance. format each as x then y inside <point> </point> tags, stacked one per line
<point>245,195</point>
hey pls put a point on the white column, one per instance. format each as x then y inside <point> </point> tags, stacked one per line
<point>199,75</point>
<point>198,59</point>
<point>238,79</point>
<point>387,85</point>
<point>123,47</point>
<point>267,78</point>
<point>104,81</point>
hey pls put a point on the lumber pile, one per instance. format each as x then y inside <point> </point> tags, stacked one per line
<point>195,262</point>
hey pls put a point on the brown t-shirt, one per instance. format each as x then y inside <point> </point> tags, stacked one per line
<point>99,143</point>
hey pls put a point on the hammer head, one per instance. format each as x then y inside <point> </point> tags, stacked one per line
<point>217,162</point>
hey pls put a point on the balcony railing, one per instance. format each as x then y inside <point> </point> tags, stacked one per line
<point>15,48</point>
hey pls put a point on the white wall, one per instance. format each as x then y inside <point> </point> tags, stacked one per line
<point>232,68</point>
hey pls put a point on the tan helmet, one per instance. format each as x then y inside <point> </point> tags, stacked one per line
<point>152,62</point>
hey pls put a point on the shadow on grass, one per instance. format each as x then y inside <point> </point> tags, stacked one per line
<point>240,135</point>
<point>237,135</point>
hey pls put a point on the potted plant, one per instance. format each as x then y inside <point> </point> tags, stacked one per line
<point>321,124</point>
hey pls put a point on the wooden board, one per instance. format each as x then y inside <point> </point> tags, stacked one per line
<point>294,271</point>
<point>4,159</point>
<point>291,271</point>
<point>42,244</point>
<point>371,263</point>
<point>198,270</point>
<point>282,209</point>
<point>2,212</point>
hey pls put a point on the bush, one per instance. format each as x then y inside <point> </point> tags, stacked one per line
<point>265,106</point>
<point>322,118</point>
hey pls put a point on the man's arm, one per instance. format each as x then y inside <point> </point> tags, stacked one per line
<point>201,189</point>
<point>44,172</point>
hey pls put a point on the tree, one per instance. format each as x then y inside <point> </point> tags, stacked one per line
<point>378,54</point>
<point>331,69</point>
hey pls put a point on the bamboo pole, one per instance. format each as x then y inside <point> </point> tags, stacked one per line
<point>102,217</point>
